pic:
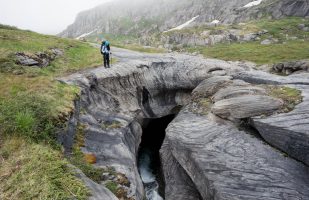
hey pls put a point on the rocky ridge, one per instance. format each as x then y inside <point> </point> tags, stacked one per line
<point>207,152</point>
<point>145,17</point>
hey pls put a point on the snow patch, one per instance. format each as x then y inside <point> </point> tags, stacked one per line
<point>253,3</point>
<point>84,35</point>
<point>215,22</point>
<point>183,25</point>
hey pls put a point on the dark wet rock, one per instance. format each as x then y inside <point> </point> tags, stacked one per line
<point>228,164</point>
<point>291,67</point>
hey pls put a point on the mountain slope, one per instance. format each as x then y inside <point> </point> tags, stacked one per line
<point>140,17</point>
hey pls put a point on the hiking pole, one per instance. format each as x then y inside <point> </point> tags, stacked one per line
<point>111,59</point>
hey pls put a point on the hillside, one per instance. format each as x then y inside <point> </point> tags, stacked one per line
<point>257,31</point>
<point>138,17</point>
<point>33,106</point>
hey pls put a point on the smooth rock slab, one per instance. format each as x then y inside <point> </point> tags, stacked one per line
<point>246,106</point>
<point>227,164</point>
<point>289,131</point>
<point>178,184</point>
<point>210,86</point>
<point>235,91</point>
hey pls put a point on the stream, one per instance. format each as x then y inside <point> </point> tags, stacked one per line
<point>149,164</point>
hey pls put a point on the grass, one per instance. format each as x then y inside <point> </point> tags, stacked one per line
<point>255,52</point>
<point>111,124</point>
<point>139,48</point>
<point>35,171</point>
<point>290,96</point>
<point>126,42</point>
<point>32,106</point>
<point>84,161</point>
<point>285,50</point>
<point>112,186</point>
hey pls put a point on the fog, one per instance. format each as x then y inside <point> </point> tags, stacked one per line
<point>43,16</point>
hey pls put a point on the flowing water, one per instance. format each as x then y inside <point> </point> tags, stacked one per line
<point>149,159</point>
<point>148,175</point>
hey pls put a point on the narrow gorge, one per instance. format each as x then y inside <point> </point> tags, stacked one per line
<point>204,153</point>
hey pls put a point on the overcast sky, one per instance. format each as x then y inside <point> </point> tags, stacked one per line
<point>43,16</point>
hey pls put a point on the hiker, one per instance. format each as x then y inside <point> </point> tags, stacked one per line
<point>105,51</point>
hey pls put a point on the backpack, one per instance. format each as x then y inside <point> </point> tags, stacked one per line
<point>105,48</point>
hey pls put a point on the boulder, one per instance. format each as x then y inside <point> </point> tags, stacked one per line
<point>236,91</point>
<point>301,26</point>
<point>25,60</point>
<point>266,42</point>
<point>291,67</point>
<point>246,106</point>
<point>210,86</point>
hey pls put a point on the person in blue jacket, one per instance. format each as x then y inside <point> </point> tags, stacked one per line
<point>106,51</point>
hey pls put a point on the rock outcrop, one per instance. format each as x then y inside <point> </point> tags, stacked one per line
<point>139,86</point>
<point>207,152</point>
<point>292,67</point>
<point>145,17</point>
<point>39,59</point>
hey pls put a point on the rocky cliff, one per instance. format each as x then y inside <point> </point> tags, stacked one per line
<point>230,139</point>
<point>140,17</point>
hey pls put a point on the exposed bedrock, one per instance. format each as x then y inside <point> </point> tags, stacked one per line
<point>225,163</point>
<point>204,156</point>
<point>287,131</point>
<point>115,101</point>
<point>178,185</point>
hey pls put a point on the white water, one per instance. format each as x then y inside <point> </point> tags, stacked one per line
<point>183,25</point>
<point>253,3</point>
<point>148,178</point>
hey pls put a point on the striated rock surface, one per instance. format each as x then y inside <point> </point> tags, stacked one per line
<point>246,106</point>
<point>141,17</point>
<point>114,101</point>
<point>225,163</point>
<point>178,185</point>
<point>205,155</point>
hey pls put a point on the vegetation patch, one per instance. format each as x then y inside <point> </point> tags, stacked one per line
<point>111,124</point>
<point>292,42</point>
<point>256,52</point>
<point>200,106</point>
<point>290,96</point>
<point>32,106</point>
<point>36,171</point>
<point>140,48</point>
<point>118,184</point>
<point>84,161</point>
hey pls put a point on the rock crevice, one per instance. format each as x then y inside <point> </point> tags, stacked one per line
<point>205,156</point>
